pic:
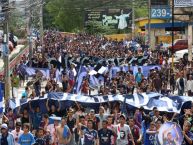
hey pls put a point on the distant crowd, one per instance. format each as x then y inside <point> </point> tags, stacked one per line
<point>107,125</point>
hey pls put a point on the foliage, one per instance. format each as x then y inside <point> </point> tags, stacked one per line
<point>68,15</point>
<point>17,24</point>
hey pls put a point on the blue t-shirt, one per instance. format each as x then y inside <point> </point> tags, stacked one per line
<point>90,136</point>
<point>26,139</point>
<point>138,77</point>
<point>149,139</point>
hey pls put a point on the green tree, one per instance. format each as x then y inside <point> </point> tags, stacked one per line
<point>17,23</point>
<point>68,15</point>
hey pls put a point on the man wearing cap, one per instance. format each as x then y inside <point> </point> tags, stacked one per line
<point>6,137</point>
<point>17,132</point>
<point>123,132</point>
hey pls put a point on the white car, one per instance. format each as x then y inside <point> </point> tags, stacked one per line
<point>182,54</point>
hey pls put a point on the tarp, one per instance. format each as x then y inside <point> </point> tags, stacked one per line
<point>147,100</point>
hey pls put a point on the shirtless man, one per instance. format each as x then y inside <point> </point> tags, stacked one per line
<point>63,133</point>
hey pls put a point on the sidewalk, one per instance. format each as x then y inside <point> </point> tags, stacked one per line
<point>15,51</point>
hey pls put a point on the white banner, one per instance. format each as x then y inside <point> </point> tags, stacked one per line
<point>183,3</point>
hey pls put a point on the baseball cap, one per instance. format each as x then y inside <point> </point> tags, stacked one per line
<point>92,110</point>
<point>18,124</point>
<point>122,116</point>
<point>4,126</point>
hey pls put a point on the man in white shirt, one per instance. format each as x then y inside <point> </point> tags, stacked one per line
<point>190,86</point>
<point>17,132</point>
<point>123,132</point>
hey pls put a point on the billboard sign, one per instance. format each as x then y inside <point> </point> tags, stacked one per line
<point>114,18</point>
<point>161,13</point>
<point>183,3</point>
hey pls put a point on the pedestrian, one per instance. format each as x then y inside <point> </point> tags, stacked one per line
<point>15,82</point>
<point>188,136</point>
<point>105,135</point>
<point>181,85</point>
<point>63,132</point>
<point>17,132</point>
<point>135,130</point>
<point>26,138</point>
<point>190,86</point>
<point>89,136</point>
<point>71,122</point>
<point>6,137</point>
<point>11,119</point>
<point>123,132</point>
<point>150,134</point>
<point>40,137</point>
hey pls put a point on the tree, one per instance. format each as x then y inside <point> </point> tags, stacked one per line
<point>68,15</point>
<point>17,23</point>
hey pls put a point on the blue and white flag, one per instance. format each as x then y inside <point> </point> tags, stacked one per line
<point>147,100</point>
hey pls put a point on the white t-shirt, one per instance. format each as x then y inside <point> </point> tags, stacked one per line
<point>16,135</point>
<point>122,134</point>
<point>190,85</point>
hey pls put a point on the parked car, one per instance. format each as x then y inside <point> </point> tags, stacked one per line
<point>182,54</point>
<point>179,44</point>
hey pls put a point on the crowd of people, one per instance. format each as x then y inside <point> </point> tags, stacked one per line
<point>108,124</point>
<point>78,45</point>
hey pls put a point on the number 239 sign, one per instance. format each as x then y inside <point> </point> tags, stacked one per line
<point>161,13</point>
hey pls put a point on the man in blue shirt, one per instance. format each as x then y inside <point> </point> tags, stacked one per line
<point>150,134</point>
<point>90,135</point>
<point>26,138</point>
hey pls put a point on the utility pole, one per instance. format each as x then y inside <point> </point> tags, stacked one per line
<point>149,23</point>
<point>190,38</point>
<point>29,29</point>
<point>173,34</point>
<point>133,20</point>
<point>41,24</point>
<point>6,55</point>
